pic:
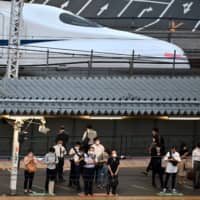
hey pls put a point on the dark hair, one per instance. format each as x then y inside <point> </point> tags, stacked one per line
<point>30,151</point>
<point>107,151</point>
<point>113,150</point>
<point>96,138</point>
<point>62,127</point>
<point>89,126</point>
<point>51,149</point>
<point>173,147</point>
<point>183,144</point>
<point>198,144</point>
<point>78,143</point>
<point>156,130</point>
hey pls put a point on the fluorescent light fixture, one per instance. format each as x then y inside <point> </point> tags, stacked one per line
<point>24,117</point>
<point>184,118</point>
<point>106,117</point>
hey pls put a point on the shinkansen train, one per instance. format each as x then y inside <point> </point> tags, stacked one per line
<point>53,36</point>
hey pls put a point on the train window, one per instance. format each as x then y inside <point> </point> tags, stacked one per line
<point>76,20</point>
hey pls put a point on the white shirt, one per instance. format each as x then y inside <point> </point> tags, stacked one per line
<point>90,162</point>
<point>170,168</point>
<point>74,155</point>
<point>91,134</point>
<point>195,155</point>
<point>98,151</point>
<point>71,151</point>
<point>51,160</point>
<point>60,150</point>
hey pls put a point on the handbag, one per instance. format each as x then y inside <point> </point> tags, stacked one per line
<point>174,162</point>
<point>81,157</point>
<point>31,167</point>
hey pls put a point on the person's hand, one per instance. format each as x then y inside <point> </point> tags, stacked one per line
<point>112,174</point>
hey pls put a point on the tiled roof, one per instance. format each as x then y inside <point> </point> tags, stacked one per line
<point>138,95</point>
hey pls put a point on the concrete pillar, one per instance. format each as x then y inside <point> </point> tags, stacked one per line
<point>15,156</point>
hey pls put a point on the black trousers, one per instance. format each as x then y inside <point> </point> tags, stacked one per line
<point>160,174</point>
<point>88,177</point>
<point>72,173</point>
<point>112,183</point>
<point>59,168</point>
<point>173,175</point>
<point>28,179</point>
<point>77,170</point>
<point>149,167</point>
<point>50,176</point>
<point>196,171</point>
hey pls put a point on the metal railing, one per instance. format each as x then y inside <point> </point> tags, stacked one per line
<point>41,56</point>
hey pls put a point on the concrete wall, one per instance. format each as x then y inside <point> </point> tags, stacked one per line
<point>130,137</point>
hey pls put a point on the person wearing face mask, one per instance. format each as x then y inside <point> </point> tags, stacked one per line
<point>76,156</point>
<point>98,150</point>
<point>50,160</point>
<point>172,158</point>
<point>88,137</point>
<point>88,171</point>
<point>60,152</point>
<point>113,170</point>
<point>78,162</point>
<point>30,163</point>
<point>72,153</point>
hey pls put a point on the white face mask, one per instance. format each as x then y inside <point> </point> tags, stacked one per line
<point>114,155</point>
<point>91,152</point>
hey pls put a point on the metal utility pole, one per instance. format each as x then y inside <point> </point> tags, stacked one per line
<point>14,38</point>
<point>18,122</point>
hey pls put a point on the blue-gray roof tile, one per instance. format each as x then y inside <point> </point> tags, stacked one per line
<point>138,95</point>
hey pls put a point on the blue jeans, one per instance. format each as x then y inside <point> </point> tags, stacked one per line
<point>102,175</point>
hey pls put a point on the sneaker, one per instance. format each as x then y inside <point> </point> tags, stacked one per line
<point>174,191</point>
<point>164,190</point>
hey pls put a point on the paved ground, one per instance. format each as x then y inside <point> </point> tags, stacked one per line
<point>132,183</point>
<point>100,198</point>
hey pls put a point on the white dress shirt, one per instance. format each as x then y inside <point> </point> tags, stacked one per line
<point>98,151</point>
<point>170,168</point>
<point>60,150</point>
<point>91,134</point>
<point>195,155</point>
